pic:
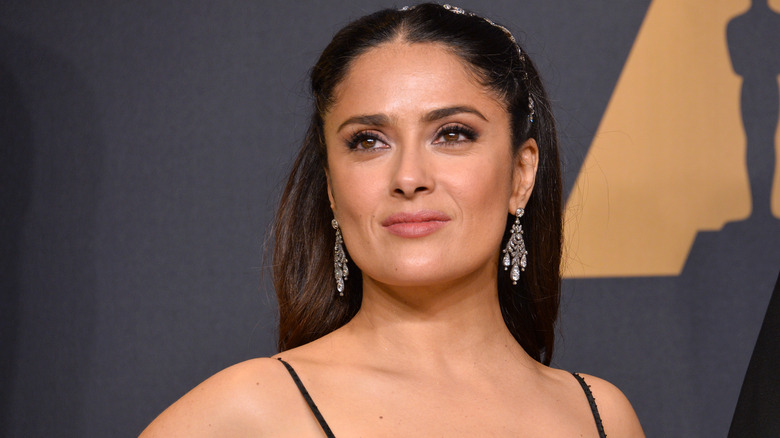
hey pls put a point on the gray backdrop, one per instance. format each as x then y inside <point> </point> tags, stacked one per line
<point>143,149</point>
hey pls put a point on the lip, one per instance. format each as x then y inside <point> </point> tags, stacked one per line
<point>417,224</point>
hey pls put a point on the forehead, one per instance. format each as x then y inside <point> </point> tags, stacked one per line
<point>401,77</point>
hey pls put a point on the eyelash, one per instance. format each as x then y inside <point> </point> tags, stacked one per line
<point>468,133</point>
<point>356,138</point>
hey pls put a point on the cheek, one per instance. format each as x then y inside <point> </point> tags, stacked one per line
<point>357,196</point>
<point>484,188</point>
<point>482,195</point>
<point>355,193</point>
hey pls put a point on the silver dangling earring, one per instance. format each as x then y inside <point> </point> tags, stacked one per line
<point>341,272</point>
<point>515,254</point>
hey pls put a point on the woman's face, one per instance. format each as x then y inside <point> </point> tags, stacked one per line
<point>421,173</point>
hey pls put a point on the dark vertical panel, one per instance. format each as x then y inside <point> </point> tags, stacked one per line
<point>57,146</point>
<point>758,408</point>
<point>15,174</point>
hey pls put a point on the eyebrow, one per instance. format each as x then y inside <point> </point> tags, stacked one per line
<point>382,119</point>
<point>446,112</point>
<point>368,119</point>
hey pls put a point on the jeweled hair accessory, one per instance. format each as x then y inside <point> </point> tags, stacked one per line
<point>461,11</point>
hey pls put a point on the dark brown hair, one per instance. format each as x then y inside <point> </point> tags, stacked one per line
<point>303,276</point>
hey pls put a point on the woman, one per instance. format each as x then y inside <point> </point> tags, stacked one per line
<point>430,164</point>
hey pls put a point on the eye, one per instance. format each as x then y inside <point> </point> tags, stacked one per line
<point>451,134</point>
<point>365,140</point>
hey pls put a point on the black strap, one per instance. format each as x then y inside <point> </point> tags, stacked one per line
<point>308,399</point>
<point>592,402</point>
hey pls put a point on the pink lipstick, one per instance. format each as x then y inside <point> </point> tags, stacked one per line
<point>417,224</point>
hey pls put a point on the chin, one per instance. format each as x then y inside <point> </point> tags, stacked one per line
<point>421,275</point>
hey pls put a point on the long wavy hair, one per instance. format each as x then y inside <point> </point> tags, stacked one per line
<point>309,307</point>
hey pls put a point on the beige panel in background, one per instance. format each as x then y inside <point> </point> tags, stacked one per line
<point>668,159</point>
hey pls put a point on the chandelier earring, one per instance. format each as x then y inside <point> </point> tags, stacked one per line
<point>341,272</point>
<point>515,254</point>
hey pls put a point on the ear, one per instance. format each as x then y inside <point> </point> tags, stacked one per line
<point>330,190</point>
<point>523,174</point>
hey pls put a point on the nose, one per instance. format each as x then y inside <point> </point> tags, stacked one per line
<point>412,174</point>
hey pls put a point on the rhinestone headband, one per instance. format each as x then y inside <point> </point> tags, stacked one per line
<point>461,11</point>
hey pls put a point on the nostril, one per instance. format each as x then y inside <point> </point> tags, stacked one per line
<point>409,192</point>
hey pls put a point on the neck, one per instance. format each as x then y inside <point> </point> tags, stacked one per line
<point>456,322</point>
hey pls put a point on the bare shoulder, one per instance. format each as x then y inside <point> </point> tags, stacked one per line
<point>617,414</point>
<point>245,399</point>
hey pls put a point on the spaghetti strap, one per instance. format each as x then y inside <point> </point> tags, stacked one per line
<point>592,402</point>
<point>308,399</point>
